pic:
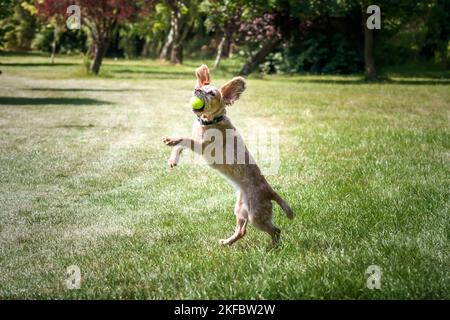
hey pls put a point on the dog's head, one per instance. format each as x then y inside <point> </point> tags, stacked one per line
<point>215,99</point>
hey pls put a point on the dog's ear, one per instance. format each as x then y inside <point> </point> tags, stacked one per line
<point>232,90</point>
<point>202,74</point>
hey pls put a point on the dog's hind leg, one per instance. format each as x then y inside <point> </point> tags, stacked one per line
<point>271,229</point>
<point>241,223</point>
<point>261,218</point>
<point>239,232</point>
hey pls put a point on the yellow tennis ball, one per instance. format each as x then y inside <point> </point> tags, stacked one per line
<point>196,103</point>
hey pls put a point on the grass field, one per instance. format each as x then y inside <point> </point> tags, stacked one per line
<point>84,182</point>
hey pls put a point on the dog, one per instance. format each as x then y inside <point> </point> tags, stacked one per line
<point>254,194</point>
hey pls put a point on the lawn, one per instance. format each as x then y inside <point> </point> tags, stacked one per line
<point>84,182</point>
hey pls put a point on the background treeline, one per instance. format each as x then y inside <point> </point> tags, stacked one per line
<point>271,36</point>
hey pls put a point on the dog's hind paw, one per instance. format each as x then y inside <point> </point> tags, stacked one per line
<point>223,242</point>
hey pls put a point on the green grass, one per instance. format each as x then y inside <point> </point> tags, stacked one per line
<point>84,182</point>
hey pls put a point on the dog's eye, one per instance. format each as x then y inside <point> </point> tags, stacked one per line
<point>212,93</point>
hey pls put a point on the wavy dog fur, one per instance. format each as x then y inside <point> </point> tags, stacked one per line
<point>254,194</point>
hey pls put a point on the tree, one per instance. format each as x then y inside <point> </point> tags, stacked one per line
<point>100,17</point>
<point>224,17</point>
<point>268,23</point>
<point>18,26</point>
<point>182,16</point>
<point>6,8</point>
<point>263,33</point>
<point>369,55</point>
<point>52,12</point>
<point>331,8</point>
<point>438,32</point>
<point>394,15</point>
<point>148,32</point>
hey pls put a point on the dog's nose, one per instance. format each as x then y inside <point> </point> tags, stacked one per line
<point>197,90</point>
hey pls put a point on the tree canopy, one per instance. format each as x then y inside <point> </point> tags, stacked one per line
<point>322,36</point>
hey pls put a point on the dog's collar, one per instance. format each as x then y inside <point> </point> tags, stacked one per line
<point>213,121</point>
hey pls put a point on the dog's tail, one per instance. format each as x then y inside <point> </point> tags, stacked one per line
<point>283,204</point>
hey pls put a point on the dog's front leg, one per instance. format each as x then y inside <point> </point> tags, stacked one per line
<point>180,144</point>
<point>174,156</point>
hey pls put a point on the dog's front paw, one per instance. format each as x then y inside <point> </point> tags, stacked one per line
<point>171,141</point>
<point>172,162</point>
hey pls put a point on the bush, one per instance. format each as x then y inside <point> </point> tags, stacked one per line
<point>71,41</point>
<point>317,53</point>
<point>18,30</point>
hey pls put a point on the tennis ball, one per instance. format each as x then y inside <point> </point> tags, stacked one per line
<point>196,103</point>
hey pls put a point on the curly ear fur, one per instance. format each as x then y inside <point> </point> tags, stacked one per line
<point>203,77</point>
<point>232,90</point>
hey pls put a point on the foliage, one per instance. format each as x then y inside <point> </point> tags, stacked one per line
<point>18,29</point>
<point>411,31</point>
<point>223,15</point>
<point>145,35</point>
<point>259,29</point>
<point>100,16</point>
<point>6,8</point>
<point>317,53</point>
<point>73,41</point>
<point>437,35</point>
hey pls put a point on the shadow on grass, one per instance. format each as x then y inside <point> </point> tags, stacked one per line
<point>172,73</point>
<point>383,81</point>
<point>75,126</point>
<point>36,64</point>
<point>18,101</point>
<point>83,89</point>
<point>156,72</point>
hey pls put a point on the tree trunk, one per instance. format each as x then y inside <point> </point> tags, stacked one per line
<point>227,45</point>
<point>176,56</point>
<point>176,52</point>
<point>146,48</point>
<point>165,52</point>
<point>54,44</point>
<point>258,58</point>
<point>369,60</point>
<point>99,49</point>
<point>221,49</point>
<point>180,41</point>
<point>173,47</point>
